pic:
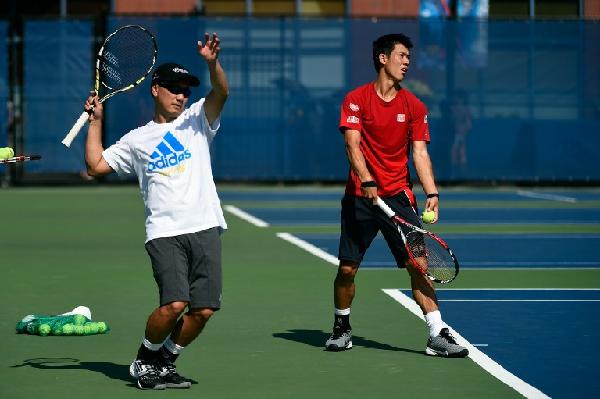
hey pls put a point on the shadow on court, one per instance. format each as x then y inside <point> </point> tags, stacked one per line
<point>317,339</point>
<point>111,370</point>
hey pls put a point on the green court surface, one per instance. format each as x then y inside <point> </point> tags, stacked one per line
<point>64,247</point>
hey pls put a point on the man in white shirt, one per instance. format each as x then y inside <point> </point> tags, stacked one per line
<point>171,159</point>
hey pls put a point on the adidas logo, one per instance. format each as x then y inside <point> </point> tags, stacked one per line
<point>169,152</point>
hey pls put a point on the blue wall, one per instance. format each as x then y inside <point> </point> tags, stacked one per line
<point>4,85</point>
<point>531,88</point>
<point>57,77</point>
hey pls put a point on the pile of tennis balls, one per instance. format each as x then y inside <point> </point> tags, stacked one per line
<point>76,324</point>
<point>80,326</point>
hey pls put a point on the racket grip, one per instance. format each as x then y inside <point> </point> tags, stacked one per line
<point>75,129</point>
<point>385,208</point>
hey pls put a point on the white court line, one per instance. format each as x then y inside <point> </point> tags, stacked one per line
<point>246,216</point>
<point>309,248</point>
<point>551,197</point>
<point>483,360</point>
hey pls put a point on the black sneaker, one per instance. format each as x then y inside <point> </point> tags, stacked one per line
<point>169,374</point>
<point>146,374</point>
<point>340,340</point>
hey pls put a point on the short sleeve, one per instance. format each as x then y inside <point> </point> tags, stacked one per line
<point>350,114</point>
<point>419,127</point>
<point>119,157</point>
<point>197,111</point>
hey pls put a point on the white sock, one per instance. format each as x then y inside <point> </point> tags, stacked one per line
<point>173,347</point>
<point>150,345</point>
<point>435,323</point>
<point>342,312</point>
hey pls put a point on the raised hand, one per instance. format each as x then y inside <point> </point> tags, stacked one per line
<point>211,47</point>
<point>94,107</point>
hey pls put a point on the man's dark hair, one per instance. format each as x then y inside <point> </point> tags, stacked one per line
<point>385,45</point>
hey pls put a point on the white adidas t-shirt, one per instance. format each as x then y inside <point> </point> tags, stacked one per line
<point>172,164</point>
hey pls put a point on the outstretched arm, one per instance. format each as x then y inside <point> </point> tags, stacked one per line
<point>215,100</point>
<point>424,170</point>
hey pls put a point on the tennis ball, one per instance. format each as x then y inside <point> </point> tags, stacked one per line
<point>90,328</point>
<point>44,329</point>
<point>428,216</point>
<point>79,319</point>
<point>6,152</point>
<point>68,329</point>
<point>57,330</point>
<point>78,330</point>
<point>102,327</point>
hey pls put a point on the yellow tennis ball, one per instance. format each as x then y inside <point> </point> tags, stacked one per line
<point>67,329</point>
<point>78,329</point>
<point>428,216</point>
<point>90,328</point>
<point>6,152</point>
<point>44,330</point>
<point>102,327</point>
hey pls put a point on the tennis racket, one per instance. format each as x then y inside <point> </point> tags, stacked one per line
<point>124,60</point>
<point>427,252</point>
<point>21,158</point>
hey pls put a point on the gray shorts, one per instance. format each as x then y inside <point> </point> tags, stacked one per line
<point>188,268</point>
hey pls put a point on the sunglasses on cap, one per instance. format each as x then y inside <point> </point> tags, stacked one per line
<point>176,89</point>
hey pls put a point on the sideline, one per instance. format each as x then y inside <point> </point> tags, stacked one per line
<point>483,360</point>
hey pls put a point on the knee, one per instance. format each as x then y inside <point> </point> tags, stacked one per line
<point>201,315</point>
<point>346,274</point>
<point>174,309</point>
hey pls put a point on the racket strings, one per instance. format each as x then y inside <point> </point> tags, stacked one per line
<point>440,264</point>
<point>127,57</point>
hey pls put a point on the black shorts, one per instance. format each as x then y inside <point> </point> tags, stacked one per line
<point>188,268</point>
<point>361,220</point>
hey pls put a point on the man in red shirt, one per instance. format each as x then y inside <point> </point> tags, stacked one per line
<point>382,123</point>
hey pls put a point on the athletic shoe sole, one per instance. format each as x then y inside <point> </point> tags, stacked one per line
<point>432,352</point>
<point>158,387</point>
<point>335,348</point>
<point>183,385</point>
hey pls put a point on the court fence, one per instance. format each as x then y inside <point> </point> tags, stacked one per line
<point>509,101</point>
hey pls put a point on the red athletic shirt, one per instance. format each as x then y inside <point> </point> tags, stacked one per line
<point>386,129</point>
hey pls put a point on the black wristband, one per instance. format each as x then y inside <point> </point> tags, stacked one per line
<point>433,195</point>
<point>369,183</point>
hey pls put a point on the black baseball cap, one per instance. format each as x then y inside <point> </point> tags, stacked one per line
<point>172,72</point>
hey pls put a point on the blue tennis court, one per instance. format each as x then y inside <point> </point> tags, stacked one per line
<point>544,337</point>
<point>490,250</point>
<point>331,216</point>
<point>335,194</point>
<point>513,249</point>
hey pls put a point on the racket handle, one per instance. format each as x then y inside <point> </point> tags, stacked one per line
<point>385,208</point>
<point>75,129</point>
